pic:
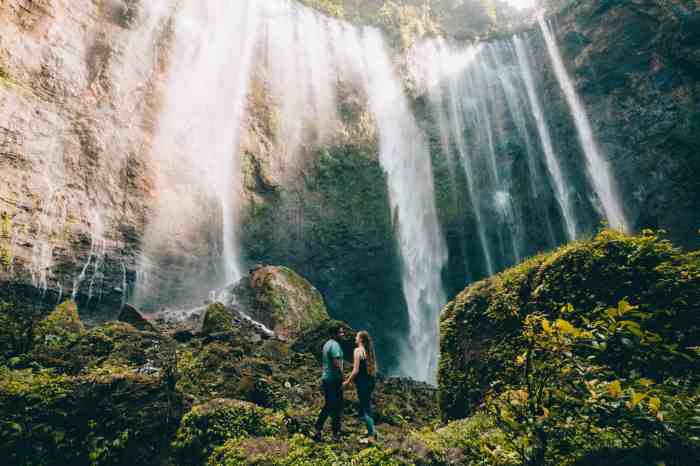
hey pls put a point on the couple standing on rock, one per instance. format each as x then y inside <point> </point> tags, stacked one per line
<point>363,373</point>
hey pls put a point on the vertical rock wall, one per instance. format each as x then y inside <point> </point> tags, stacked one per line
<point>78,86</point>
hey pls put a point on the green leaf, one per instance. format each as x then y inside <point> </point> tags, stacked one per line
<point>654,404</point>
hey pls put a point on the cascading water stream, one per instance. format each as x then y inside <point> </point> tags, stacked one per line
<point>197,144</point>
<point>406,159</point>
<point>555,171</point>
<point>599,171</point>
<point>217,48</point>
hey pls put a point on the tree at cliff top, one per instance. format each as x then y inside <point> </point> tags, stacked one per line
<point>409,20</point>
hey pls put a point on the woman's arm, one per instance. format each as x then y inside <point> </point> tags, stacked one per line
<point>355,367</point>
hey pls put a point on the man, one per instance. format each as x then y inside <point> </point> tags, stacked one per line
<point>332,382</point>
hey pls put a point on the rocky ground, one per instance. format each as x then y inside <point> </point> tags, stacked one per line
<point>584,356</point>
<point>169,391</point>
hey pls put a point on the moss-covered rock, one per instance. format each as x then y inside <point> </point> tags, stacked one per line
<point>131,316</point>
<point>481,328</point>
<point>281,299</point>
<point>217,319</point>
<point>112,415</point>
<point>211,424</point>
<point>61,327</point>
<point>475,440</point>
<point>299,450</point>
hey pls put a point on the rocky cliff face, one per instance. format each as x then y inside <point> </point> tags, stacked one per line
<point>637,68</point>
<point>75,121</point>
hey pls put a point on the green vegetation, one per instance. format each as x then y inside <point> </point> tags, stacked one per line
<point>209,425</point>
<point>475,440</point>
<point>584,356</point>
<point>590,349</point>
<point>298,451</point>
<point>217,319</point>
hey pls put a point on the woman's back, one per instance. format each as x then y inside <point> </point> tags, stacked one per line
<point>363,376</point>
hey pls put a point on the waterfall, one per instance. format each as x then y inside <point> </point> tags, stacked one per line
<point>406,159</point>
<point>231,67</point>
<point>553,165</point>
<point>479,102</point>
<point>196,147</point>
<point>299,59</point>
<point>598,167</point>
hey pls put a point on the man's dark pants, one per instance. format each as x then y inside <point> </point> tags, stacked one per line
<point>333,407</point>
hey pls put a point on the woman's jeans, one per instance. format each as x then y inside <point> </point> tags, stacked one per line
<point>364,393</point>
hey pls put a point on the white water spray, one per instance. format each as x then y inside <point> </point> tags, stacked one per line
<point>405,157</point>
<point>599,171</point>
<point>551,159</point>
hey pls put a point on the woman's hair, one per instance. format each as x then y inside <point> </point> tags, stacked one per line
<point>366,341</point>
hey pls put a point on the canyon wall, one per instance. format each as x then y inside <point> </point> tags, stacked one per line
<point>81,95</point>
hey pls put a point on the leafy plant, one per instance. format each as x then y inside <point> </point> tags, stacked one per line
<point>572,394</point>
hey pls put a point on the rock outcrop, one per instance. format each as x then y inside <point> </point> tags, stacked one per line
<point>114,394</point>
<point>74,136</point>
<point>280,299</point>
<point>481,329</point>
<point>637,69</point>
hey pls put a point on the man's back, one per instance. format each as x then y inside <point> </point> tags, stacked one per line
<point>331,351</point>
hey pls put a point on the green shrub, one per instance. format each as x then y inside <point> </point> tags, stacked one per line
<point>569,399</point>
<point>210,425</point>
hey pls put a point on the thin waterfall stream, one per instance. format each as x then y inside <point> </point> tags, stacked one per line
<point>598,167</point>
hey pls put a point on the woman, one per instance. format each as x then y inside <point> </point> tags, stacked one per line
<point>364,371</point>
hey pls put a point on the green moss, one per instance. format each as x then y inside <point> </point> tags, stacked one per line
<point>111,415</point>
<point>481,328</point>
<point>209,373</point>
<point>60,328</point>
<point>298,451</point>
<point>217,319</point>
<point>475,440</point>
<point>210,425</point>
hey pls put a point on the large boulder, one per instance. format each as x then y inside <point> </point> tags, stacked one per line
<point>481,329</point>
<point>132,316</point>
<point>280,299</point>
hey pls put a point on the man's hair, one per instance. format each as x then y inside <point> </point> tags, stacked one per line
<point>333,329</point>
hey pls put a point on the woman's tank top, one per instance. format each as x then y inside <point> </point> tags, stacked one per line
<point>363,376</point>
